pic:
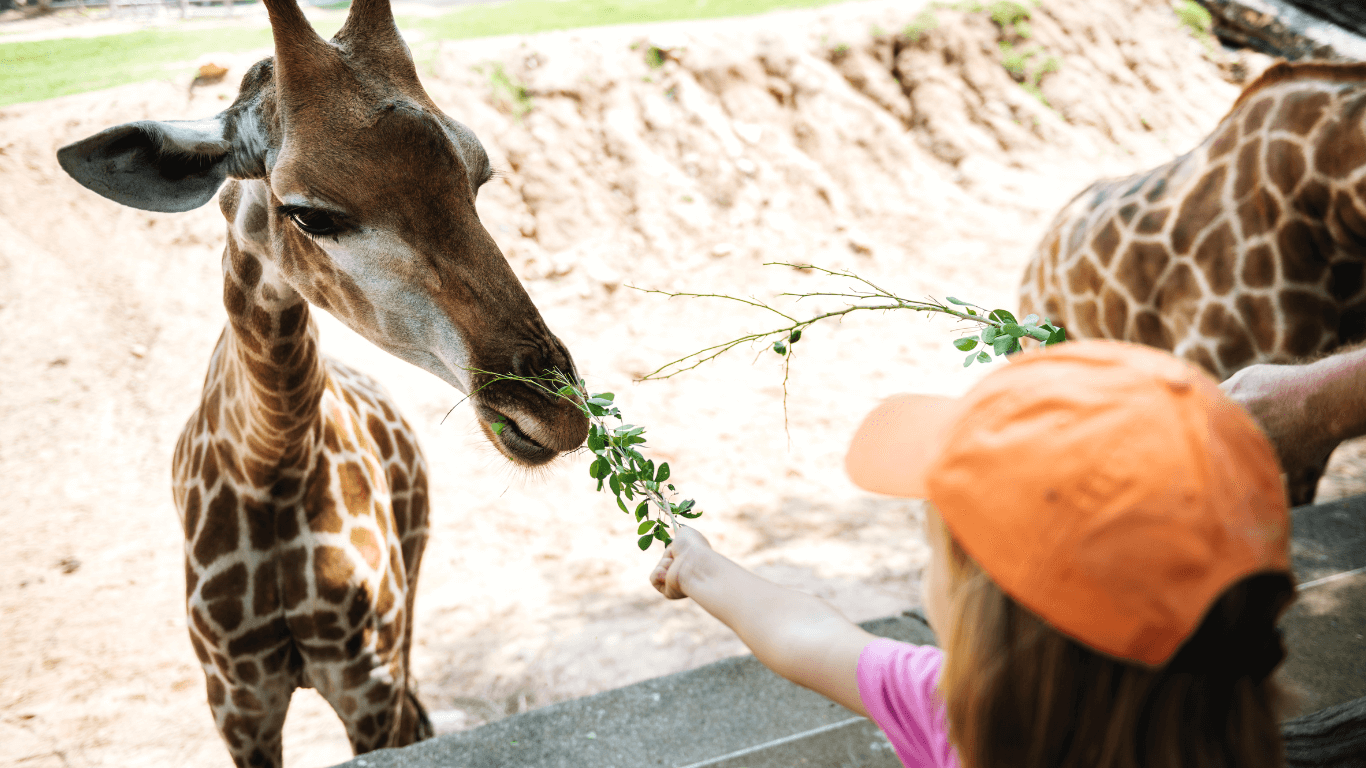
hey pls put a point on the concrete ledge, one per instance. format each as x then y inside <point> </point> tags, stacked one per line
<point>731,714</point>
<point>736,714</point>
<point>1324,630</point>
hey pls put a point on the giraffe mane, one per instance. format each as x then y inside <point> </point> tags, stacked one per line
<point>1286,71</point>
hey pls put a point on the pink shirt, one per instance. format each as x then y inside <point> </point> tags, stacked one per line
<point>897,683</point>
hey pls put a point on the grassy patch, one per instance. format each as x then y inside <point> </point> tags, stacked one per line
<point>30,71</point>
<point>529,16</point>
<point>44,69</point>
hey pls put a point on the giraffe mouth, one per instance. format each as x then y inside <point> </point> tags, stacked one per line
<point>511,440</point>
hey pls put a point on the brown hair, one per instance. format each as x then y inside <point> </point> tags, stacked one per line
<point>1022,695</point>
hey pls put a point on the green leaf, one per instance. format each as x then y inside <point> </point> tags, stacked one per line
<point>972,312</point>
<point>671,487</point>
<point>648,525</point>
<point>622,504</point>
<point>969,359</point>
<point>1002,344</point>
<point>566,392</point>
<point>1014,330</point>
<point>596,442</point>
<point>795,336</point>
<point>780,347</point>
<point>959,302</point>
<point>614,484</point>
<point>1030,319</point>
<point>642,510</point>
<point>599,469</point>
<point>1057,337</point>
<point>989,334</point>
<point>1002,316</point>
<point>983,357</point>
<point>662,533</point>
<point>645,542</point>
<point>685,510</point>
<point>608,396</point>
<point>663,472</point>
<point>497,427</point>
<point>1040,334</point>
<point>595,409</point>
<point>966,343</point>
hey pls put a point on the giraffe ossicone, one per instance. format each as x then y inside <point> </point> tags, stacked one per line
<point>301,489</point>
<point>1250,248</point>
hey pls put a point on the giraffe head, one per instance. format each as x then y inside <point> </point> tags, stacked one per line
<point>345,182</point>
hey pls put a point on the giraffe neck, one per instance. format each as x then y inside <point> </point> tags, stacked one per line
<point>266,380</point>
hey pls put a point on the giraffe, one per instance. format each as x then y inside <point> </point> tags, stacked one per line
<point>1248,249</point>
<point>301,490</point>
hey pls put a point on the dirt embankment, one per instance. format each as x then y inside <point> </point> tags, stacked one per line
<point>677,156</point>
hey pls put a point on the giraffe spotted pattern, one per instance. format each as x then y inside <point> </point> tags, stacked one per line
<point>1250,248</point>
<point>303,496</point>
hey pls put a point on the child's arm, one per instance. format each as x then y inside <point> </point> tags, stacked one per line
<point>798,636</point>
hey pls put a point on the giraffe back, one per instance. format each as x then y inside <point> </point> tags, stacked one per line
<point>1249,248</point>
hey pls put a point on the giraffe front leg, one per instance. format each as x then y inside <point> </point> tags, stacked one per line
<point>372,697</point>
<point>249,684</point>
<point>249,717</point>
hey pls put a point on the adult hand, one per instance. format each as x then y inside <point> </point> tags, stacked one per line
<point>687,547</point>
<point>1287,401</point>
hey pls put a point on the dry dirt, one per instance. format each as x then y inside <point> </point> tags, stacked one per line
<point>805,136</point>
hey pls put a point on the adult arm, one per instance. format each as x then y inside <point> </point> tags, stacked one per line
<point>798,636</point>
<point>1306,410</point>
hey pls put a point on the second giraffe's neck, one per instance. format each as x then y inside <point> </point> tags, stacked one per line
<point>267,372</point>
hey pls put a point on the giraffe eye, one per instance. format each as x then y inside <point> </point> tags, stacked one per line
<point>314,221</point>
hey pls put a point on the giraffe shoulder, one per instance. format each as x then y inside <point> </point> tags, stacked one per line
<point>1300,71</point>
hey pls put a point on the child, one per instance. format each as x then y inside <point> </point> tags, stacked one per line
<point>1109,558</point>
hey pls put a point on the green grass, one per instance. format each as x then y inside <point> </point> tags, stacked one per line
<point>530,16</point>
<point>33,71</point>
<point>30,71</point>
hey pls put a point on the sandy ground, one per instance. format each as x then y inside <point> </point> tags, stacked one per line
<point>786,137</point>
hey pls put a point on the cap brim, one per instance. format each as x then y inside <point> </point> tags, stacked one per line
<point>896,444</point>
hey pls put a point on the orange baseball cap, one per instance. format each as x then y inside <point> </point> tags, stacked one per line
<point>1110,488</point>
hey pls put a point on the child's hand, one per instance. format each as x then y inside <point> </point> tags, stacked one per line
<point>687,546</point>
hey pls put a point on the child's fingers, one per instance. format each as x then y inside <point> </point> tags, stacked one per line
<point>661,570</point>
<point>660,577</point>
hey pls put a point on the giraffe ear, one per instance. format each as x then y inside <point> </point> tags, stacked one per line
<point>167,166</point>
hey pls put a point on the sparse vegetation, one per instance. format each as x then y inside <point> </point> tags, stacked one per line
<point>1194,17</point>
<point>922,23</point>
<point>1026,60</point>
<point>509,95</point>
<point>1012,16</point>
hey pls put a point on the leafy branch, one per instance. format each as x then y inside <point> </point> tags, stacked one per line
<point>1000,331</point>
<point>619,464</point>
